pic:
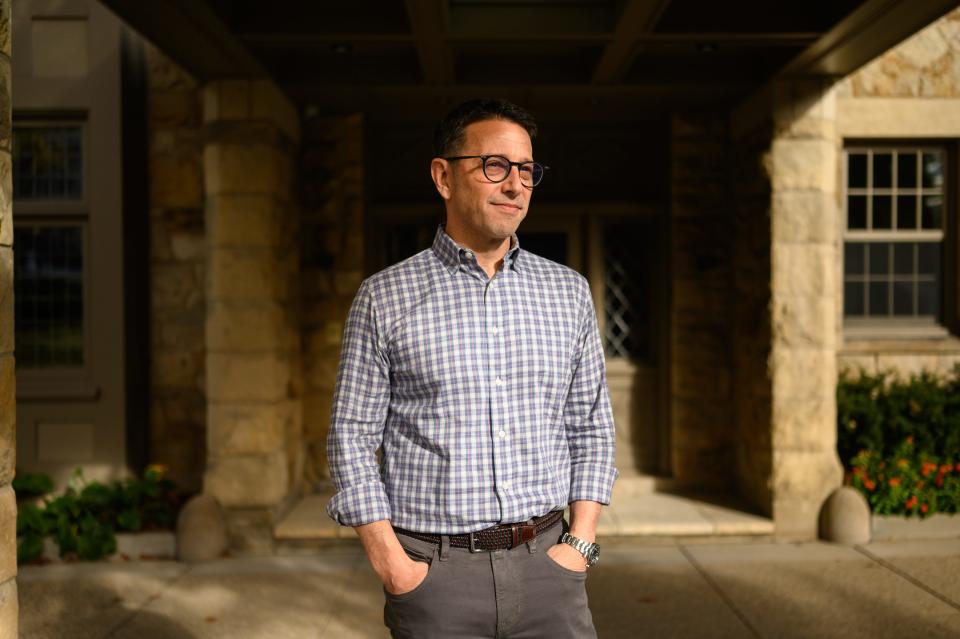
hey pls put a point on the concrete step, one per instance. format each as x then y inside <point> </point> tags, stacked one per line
<point>643,506</point>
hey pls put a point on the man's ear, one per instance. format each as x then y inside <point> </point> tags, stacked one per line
<point>440,172</point>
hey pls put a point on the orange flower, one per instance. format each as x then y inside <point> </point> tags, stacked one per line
<point>928,467</point>
<point>912,501</point>
<point>957,467</point>
<point>945,468</point>
<point>894,481</point>
<point>923,508</point>
<point>909,439</point>
<point>870,484</point>
<point>939,481</point>
<point>919,484</point>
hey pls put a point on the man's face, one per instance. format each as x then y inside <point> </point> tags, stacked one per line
<point>485,209</point>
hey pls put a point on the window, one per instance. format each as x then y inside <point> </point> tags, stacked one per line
<point>627,290</point>
<point>894,205</point>
<point>49,242</point>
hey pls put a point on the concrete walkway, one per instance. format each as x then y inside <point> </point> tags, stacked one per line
<point>729,587</point>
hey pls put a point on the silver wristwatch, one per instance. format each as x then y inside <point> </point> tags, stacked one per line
<point>590,552</point>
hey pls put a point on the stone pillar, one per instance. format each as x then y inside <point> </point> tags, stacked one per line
<point>253,370</point>
<point>701,308</point>
<point>795,466</point>
<point>178,407</point>
<point>332,267</point>
<point>8,400</point>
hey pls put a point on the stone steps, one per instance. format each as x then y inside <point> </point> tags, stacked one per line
<point>643,506</point>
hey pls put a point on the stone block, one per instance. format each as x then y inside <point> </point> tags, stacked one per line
<point>245,327</point>
<point>803,374</point>
<point>174,108</point>
<point>845,517</point>
<point>245,275</point>
<point>804,322</point>
<point>250,531</point>
<point>9,609</point>
<point>244,481</point>
<point>804,424</point>
<point>947,363</point>
<point>176,180</point>
<point>227,100</point>
<point>8,419</point>
<point>6,116</point>
<point>803,270</point>
<point>806,477</point>
<point>177,368</point>
<point>247,377</point>
<point>7,337</point>
<point>5,27</point>
<point>802,164</point>
<point>903,365</point>
<point>6,200</point>
<point>246,169</point>
<point>243,221</point>
<point>8,532</point>
<point>201,530</point>
<point>269,103</point>
<point>175,286</point>
<point>248,428</point>
<point>188,246</point>
<point>804,216</point>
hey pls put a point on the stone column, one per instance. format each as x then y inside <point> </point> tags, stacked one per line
<point>795,466</point>
<point>8,400</point>
<point>701,307</point>
<point>253,370</point>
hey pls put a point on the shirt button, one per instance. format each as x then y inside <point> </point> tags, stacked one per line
<point>499,382</point>
<point>494,330</point>
<point>502,433</point>
<point>468,254</point>
<point>505,486</point>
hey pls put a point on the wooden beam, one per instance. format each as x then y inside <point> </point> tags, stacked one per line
<point>428,23</point>
<point>638,17</point>
<point>192,35</point>
<point>874,27</point>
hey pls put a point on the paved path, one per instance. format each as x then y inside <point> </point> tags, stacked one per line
<point>714,588</point>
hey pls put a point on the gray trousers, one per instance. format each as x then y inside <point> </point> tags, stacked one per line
<point>519,593</point>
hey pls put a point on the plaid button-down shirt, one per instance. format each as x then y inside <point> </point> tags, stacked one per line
<point>489,395</point>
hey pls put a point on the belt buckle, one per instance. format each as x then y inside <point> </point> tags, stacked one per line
<point>473,543</point>
<point>522,533</point>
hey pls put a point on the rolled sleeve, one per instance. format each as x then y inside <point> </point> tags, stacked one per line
<point>588,416</point>
<point>361,399</point>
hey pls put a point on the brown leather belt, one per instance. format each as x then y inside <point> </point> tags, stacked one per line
<point>501,537</point>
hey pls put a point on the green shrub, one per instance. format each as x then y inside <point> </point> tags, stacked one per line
<point>899,440</point>
<point>85,517</point>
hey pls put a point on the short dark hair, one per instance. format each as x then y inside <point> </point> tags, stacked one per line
<point>450,133</point>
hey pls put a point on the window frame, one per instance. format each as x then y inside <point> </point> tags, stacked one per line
<point>902,327</point>
<point>52,212</point>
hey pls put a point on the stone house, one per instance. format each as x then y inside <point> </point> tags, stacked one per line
<point>758,199</point>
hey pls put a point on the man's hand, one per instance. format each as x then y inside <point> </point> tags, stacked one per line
<point>568,557</point>
<point>405,576</point>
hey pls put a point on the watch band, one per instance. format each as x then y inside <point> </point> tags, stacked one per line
<point>590,551</point>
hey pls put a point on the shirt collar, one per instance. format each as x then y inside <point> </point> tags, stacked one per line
<point>451,254</point>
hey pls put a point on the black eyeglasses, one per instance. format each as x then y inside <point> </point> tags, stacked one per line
<point>496,168</point>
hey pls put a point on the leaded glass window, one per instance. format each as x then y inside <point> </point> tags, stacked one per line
<point>48,305</point>
<point>48,163</point>
<point>895,202</point>
<point>626,291</point>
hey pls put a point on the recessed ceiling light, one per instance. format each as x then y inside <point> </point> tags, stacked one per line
<point>341,48</point>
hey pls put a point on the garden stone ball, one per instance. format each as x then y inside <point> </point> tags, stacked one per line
<point>201,530</point>
<point>845,517</point>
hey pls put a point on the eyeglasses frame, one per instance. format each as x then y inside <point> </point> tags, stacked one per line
<point>483,166</point>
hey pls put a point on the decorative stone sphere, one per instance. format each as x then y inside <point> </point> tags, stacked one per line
<point>845,517</point>
<point>201,530</point>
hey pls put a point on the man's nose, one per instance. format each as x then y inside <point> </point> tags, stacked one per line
<point>513,184</point>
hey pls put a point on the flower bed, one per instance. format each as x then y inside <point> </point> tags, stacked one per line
<point>899,441</point>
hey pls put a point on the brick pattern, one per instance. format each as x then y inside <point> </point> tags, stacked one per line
<point>177,272</point>
<point>332,267</point>
<point>8,413</point>
<point>252,291</point>
<point>701,312</point>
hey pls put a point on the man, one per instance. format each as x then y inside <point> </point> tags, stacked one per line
<point>479,368</point>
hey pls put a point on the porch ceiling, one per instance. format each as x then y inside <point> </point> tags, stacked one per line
<point>613,57</point>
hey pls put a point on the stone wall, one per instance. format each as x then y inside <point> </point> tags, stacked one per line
<point>332,266</point>
<point>177,272</point>
<point>925,65</point>
<point>911,91</point>
<point>253,363</point>
<point>8,414</point>
<point>701,312</point>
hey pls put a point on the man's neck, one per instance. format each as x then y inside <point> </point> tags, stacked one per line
<point>489,253</point>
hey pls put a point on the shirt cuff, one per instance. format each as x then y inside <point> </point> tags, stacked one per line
<point>361,504</point>
<point>592,482</point>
